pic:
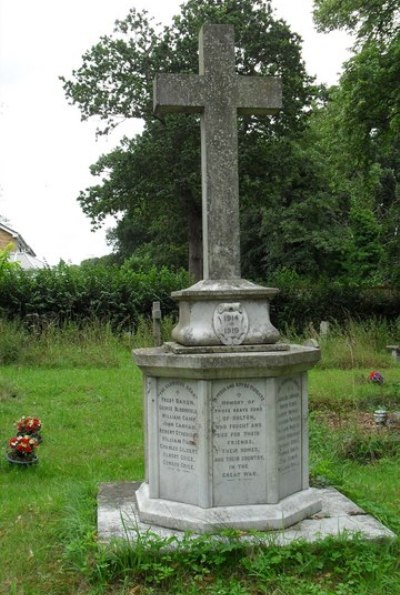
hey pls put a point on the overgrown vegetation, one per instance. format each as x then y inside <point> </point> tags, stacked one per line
<point>39,301</point>
<point>88,293</point>
<point>92,423</point>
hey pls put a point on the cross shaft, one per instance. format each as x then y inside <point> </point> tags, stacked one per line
<point>218,94</point>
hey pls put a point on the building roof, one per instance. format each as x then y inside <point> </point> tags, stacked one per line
<point>27,261</point>
<point>22,252</point>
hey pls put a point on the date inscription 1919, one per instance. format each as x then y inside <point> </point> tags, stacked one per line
<point>231,323</point>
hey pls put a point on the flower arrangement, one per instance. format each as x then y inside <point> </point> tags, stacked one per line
<point>375,377</point>
<point>29,426</point>
<point>22,449</point>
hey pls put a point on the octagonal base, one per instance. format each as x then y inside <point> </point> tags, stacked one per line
<point>260,517</point>
<point>226,429</point>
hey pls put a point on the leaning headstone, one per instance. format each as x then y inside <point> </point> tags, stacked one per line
<point>226,402</point>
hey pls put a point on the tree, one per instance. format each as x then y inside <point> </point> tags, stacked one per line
<point>362,123</point>
<point>367,252</point>
<point>4,219</point>
<point>369,85</point>
<point>154,179</point>
<point>368,19</point>
<point>153,186</point>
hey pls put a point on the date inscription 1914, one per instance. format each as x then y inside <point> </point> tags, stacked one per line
<point>231,323</point>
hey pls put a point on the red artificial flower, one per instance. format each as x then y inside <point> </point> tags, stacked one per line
<point>29,425</point>
<point>24,445</point>
<point>375,377</point>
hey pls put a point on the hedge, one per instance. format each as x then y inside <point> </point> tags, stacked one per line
<point>65,293</point>
<point>121,295</point>
<point>299,306</point>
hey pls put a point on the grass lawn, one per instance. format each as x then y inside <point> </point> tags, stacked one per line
<point>93,432</point>
<point>92,429</point>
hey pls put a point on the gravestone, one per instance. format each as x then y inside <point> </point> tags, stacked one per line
<point>324,328</point>
<point>225,401</point>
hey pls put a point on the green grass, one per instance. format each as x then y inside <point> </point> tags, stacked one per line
<point>90,403</point>
<point>338,389</point>
<point>357,345</point>
<point>92,429</point>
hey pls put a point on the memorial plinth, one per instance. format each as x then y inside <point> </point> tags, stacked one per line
<point>231,312</point>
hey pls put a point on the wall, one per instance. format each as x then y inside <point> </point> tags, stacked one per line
<point>6,239</point>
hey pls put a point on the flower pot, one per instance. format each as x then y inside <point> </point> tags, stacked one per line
<point>13,459</point>
<point>380,417</point>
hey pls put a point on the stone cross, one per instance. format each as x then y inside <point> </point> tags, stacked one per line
<point>218,94</point>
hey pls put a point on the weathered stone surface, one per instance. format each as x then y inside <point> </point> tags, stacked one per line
<point>161,362</point>
<point>224,312</point>
<point>216,322</point>
<point>224,289</point>
<point>179,349</point>
<point>226,440</point>
<point>219,94</point>
<point>185,517</point>
<point>117,517</point>
<point>239,442</point>
<point>226,426</point>
<point>176,457</point>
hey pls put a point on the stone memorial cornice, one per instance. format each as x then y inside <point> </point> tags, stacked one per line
<point>162,362</point>
<point>224,289</point>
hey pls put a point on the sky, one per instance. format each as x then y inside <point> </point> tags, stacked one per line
<point>45,149</point>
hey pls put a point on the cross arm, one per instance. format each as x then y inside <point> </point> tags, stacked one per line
<point>258,95</point>
<point>183,93</point>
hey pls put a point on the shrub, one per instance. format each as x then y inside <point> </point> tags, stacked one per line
<point>368,447</point>
<point>301,302</point>
<point>118,296</point>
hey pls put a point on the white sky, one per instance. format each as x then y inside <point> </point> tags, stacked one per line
<point>45,150</point>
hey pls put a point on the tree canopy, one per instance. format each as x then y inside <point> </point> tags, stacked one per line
<point>319,182</point>
<point>154,178</point>
<point>369,19</point>
<point>361,129</point>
